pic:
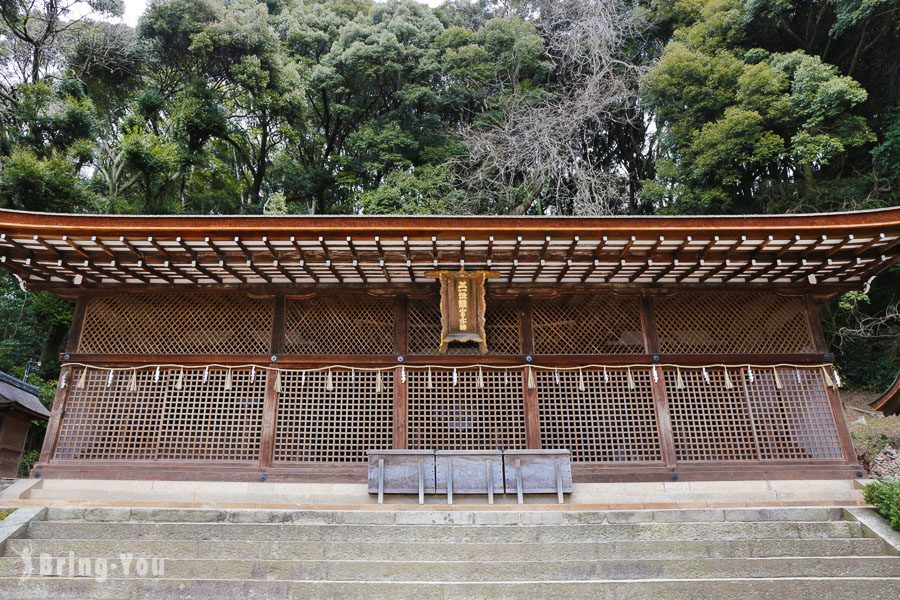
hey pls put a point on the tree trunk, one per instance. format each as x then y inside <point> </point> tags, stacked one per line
<point>36,64</point>
<point>53,342</point>
<point>808,177</point>
<point>259,172</point>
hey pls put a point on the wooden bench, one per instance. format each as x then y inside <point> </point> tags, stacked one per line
<point>401,472</point>
<point>469,472</point>
<point>538,472</point>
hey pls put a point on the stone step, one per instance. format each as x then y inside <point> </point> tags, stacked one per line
<point>362,550</point>
<point>62,588</point>
<point>444,533</point>
<point>444,517</point>
<point>482,571</point>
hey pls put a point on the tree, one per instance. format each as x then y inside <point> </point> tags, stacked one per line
<point>427,190</point>
<point>545,153</point>
<point>745,129</point>
<point>29,182</point>
<point>370,97</point>
<point>34,326</point>
<point>33,30</point>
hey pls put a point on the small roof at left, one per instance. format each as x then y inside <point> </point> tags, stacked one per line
<point>15,393</point>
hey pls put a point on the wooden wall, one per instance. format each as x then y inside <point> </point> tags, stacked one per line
<point>617,379</point>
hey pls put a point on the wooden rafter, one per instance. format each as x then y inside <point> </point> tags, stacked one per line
<point>63,251</point>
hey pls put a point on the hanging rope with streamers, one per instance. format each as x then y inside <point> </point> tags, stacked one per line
<point>829,374</point>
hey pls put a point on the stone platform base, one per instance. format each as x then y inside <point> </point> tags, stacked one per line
<point>586,496</point>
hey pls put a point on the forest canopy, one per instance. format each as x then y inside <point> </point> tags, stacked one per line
<point>475,106</point>
<point>524,106</point>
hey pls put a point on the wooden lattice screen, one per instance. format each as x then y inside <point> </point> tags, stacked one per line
<point>587,324</point>
<point>751,420</point>
<point>606,421</point>
<point>177,323</point>
<point>336,422</point>
<point>501,324</point>
<point>206,421</point>
<point>339,324</point>
<point>709,420</point>
<point>108,420</point>
<point>731,323</point>
<point>463,416</point>
<point>795,422</point>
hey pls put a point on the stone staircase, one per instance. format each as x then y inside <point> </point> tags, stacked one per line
<point>743,553</point>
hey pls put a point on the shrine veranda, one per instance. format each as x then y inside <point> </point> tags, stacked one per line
<point>283,348</point>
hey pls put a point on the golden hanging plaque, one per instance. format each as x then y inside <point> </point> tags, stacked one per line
<point>462,306</point>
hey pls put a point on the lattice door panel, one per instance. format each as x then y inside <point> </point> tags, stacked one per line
<point>730,323</point>
<point>501,325</point>
<point>108,420</point>
<point>796,421</point>
<point>335,422</point>
<point>606,421</point>
<point>588,324</point>
<point>339,324</point>
<point>463,416</point>
<point>177,323</point>
<point>710,421</point>
<point>204,420</point>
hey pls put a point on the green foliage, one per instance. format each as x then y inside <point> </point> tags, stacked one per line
<point>213,106</point>
<point>868,364</point>
<point>747,129</point>
<point>885,497</point>
<point>54,118</point>
<point>866,343</point>
<point>44,184</point>
<point>276,205</point>
<point>425,191</point>
<point>29,459</point>
<point>851,300</point>
<point>33,327</point>
<point>887,153</point>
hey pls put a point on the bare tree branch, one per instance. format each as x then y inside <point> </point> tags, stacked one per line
<point>549,151</point>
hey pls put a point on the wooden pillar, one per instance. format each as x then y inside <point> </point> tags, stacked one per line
<point>401,345</point>
<point>820,346</point>
<point>77,324</point>
<point>530,396</point>
<point>51,437</point>
<point>401,324</point>
<point>277,344</point>
<point>58,409</point>
<point>658,388</point>
<point>814,325</point>
<point>270,401</point>
<point>269,420</point>
<point>526,328</point>
<point>400,411</point>
<point>648,325</point>
<point>840,422</point>
<point>532,415</point>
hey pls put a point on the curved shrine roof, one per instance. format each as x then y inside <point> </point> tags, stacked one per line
<point>65,253</point>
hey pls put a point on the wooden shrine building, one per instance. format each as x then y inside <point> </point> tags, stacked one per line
<point>284,348</point>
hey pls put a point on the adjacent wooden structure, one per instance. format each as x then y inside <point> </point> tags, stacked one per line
<point>284,348</point>
<point>19,406</point>
<point>889,402</point>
